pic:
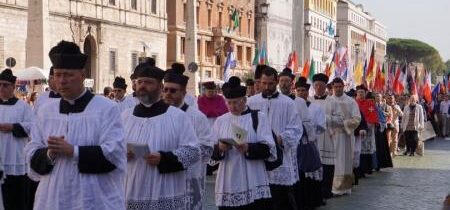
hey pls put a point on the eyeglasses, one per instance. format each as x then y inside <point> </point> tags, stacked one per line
<point>5,85</point>
<point>170,90</point>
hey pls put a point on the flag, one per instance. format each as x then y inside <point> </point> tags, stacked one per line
<point>255,61</point>
<point>436,91</point>
<point>263,55</point>
<point>411,83</point>
<point>368,110</point>
<point>312,69</point>
<point>235,19</point>
<point>370,74</point>
<point>427,88</point>
<point>305,71</point>
<point>399,84</point>
<point>365,37</point>
<point>379,80</point>
<point>364,77</point>
<point>230,63</point>
<point>293,62</point>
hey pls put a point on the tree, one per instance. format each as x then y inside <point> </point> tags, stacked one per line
<point>410,50</point>
<point>447,65</point>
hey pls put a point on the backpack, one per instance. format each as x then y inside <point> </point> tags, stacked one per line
<point>270,165</point>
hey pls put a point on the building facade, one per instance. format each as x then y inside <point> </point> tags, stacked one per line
<point>358,27</point>
<point>319,40</point>
<point>214,34</point>
<point>275,30</point>
<point>113,33</point>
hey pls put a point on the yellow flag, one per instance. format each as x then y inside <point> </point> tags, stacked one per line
<point>358,73</point>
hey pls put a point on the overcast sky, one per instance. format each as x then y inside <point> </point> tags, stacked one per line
<point>424,20</point>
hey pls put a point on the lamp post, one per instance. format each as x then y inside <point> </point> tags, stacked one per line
<point>357,50</point>
<point>307,32</point>
<point>336,39</point>
<point>261,16</point>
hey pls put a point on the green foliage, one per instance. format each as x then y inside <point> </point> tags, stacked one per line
<point>410,50</point>
<point>447,65</point>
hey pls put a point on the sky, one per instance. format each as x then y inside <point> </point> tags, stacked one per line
<point>424,20</point>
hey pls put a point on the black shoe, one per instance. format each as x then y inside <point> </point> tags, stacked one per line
<point>405,153</point>
<point>412,154</point>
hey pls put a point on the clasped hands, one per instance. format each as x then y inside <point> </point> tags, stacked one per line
<point>58,146</point>
<point>242,148</point>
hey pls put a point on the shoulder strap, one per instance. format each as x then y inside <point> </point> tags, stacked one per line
<point>254,114</point>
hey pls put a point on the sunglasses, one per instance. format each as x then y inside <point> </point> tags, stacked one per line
<point>170,90</point>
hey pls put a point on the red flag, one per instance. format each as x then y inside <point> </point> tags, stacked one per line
<point>293,62</point>
<point>427,88</point>
<point>399,81</point>
<point>370,69</point>
<point>369,110</point>
<point>305,71</point>
<point>379,80</point>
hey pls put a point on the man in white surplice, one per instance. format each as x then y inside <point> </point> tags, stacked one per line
<point>157,178</point>
<point>119,90</point>
<point>47,96</point>
<point>242,181</point>
<point>15,124</point>
<point>326,140</point>
<point>344,139</point>
<point>77,147</point>
<point>286,126</point>
<point>174,93</point>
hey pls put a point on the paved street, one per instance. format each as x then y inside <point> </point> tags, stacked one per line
<point>415,183</point>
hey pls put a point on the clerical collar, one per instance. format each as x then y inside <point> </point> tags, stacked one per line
<point>155,109</point>
<point>321,97</point>
<point>291,95</point>
<point>275,95</point>
<point>247,111</point>
<point>308,103</point>
<point>75,106</point>
<point>54,94</point>
<point>10,101</point>
<point>184,107</point>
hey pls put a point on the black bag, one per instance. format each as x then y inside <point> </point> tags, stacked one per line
<point>270,165</point>
<point>308,157</point>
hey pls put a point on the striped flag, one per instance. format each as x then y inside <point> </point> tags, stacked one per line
<point>230,63</point>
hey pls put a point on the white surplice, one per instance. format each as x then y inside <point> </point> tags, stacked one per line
<point>42,99</point>
<point>241,181</point>
<point>197,172</point>
<point>65,188</point>
<point>126,103</point>
<point>334,120</point>
<point>191,101</point>
<point>344,144</point>
<point>285,122</point>
<point>172,131</point>
<point>12,148</point>
<point>318,121</point>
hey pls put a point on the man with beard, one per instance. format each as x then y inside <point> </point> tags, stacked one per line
<point>119,90</point>
<point>77,146</point>
<point>285,79</point>
<point>156,176</point>
<point>258,74</point>
<point>285,123</point>
<point>174,93</point>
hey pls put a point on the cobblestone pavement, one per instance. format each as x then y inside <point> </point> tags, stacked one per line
<point>415,183</point>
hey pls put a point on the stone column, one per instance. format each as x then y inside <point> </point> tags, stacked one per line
<point>37,45</point>
<point>298,31</point>
<point>191,45</point>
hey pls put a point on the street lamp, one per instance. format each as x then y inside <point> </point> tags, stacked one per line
<point>307,47</point>
<point>307,29</point>
<point>336,39</point>
<point>264,8</point>
<point>357,50</point>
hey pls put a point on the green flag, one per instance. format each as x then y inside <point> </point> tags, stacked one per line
<point>235,18</point>
<point>312,69</point>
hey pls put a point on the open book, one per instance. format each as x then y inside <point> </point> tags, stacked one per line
<point>139,150</point>
<point>239,136</point>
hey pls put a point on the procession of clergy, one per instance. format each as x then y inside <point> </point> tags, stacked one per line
<point>150,149</point>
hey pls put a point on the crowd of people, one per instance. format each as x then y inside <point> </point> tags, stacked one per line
<point>273,146</point>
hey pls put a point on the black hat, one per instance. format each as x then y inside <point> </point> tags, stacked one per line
<point>258,71</point>
<point>8,76</point>
<point>175,76</point>
<point>351,92</point>
<point>209,85</point>
<point>178,67</point>
<point>233,88</point>
<point>249,82</point>
<point>119,82</point>
<point>337,80</point>
<point>361,87</point>
<point>301,82</point>
<point>52,71</point>
<point>147,70</point>
<point>287,72</point>
<point>320,77</point>
<point>67,55</point>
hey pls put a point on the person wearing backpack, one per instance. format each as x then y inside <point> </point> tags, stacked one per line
<point>244,141</point>
<point>285,122</point>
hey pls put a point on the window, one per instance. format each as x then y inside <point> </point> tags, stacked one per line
<point>134,60</point>
<point>209,50</point>
<point>183,45</point>
<point>134,4</point>
<point>154,6</point>
<point>198,15</point>
<point>209,18</point>
<point>112,2</point>
<point>249,28</point>
<point>239,53</point>
<point>249,55</point>
<point>240,24</point>
<point>184,12</point>
<point>112,60</point>
<point>208,74</point>
<point>198,48</point>
<point>220,19</point>
<point>155,57</point>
